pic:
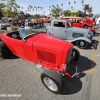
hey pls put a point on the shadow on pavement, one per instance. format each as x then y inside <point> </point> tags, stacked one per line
<point>85,64</point>
<point>74,85</point>
<point>12,57</point>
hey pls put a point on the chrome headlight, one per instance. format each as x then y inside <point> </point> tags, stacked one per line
<point>90,35</point>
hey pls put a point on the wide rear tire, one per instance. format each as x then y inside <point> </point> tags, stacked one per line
<point>4,51</point>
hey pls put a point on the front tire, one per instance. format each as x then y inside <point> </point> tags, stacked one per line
<point>52,81</point>
<point>82,44</point>
<point>75,55</point>
<point>4,51</point>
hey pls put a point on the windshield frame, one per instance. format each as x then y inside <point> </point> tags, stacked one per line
<point>22,32</point>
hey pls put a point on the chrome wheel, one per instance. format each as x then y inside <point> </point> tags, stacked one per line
<point>52,81</point>
<point>50,84</point>
<point>82,44</point>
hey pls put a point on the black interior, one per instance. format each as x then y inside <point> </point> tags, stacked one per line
<point>15,35</point>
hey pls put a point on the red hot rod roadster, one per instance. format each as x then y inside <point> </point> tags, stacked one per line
<point>49,52</point>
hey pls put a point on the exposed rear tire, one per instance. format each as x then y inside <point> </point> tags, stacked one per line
<point>52,81</point>
<point>75,55</point>
<point>4,51</point>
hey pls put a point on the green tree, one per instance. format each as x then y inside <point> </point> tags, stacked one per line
<point>12,6</point>
<point>56,10</point>
<point>67,13</point>
<point>86,8</point>
<point>90,10</point>
<point>2,6</point>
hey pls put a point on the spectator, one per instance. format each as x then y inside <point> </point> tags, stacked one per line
<point>97,22</point>
<point>35,21</point>
<point>26,22</point>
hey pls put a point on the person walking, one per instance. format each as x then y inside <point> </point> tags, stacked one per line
<point>97,22</point>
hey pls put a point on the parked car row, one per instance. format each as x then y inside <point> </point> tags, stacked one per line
<point>80,23</point>
<point>48,47</point>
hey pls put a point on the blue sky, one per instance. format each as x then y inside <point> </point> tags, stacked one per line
<point>46,3</point>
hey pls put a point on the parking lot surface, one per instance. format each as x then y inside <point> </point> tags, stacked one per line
<point>18,76</point>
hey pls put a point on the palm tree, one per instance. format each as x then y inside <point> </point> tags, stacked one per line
<point>74,4</point>
<point>86,8</point>
<point>35,9</point>
<point>49,6</point>
<point>41,8</point>
<point>53,6</point>
<point>44,12</point>
<point>90,10</point>
<point>30,7</point>
<point>82,2</point>
<point>71,7</point>
<point>56,11</point>
<point>62,4</point>
<point>69,4</point>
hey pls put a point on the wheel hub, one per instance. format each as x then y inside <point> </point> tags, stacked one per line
<point>50,84</point>
<point>82,43</point>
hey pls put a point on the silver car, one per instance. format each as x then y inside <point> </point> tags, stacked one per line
<point>83,38</point>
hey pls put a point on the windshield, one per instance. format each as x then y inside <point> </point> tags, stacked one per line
<point>25,32</point>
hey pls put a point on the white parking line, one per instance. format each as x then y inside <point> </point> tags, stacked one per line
<point>97,55</point>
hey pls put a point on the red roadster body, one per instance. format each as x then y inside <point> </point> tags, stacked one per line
<point>42,49</point>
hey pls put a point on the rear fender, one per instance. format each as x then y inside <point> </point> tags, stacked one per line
<point>81,38</point>
<point>93,29</point>
<point>88,22</point>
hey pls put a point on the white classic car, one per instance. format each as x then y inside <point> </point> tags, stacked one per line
<point>4,25</point>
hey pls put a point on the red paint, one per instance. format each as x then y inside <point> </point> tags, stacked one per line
<point>43,49</point>
<point>44,20</point>
<point>87,22</point>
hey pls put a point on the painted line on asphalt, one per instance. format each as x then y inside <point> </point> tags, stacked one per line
<point>97,55</point>
<point>86,87</point>
<point>91,71</point>
<point>88,79</point>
